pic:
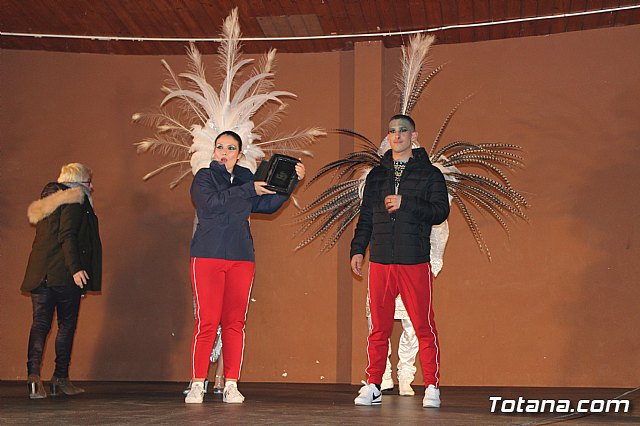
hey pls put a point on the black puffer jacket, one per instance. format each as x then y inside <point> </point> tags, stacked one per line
<point>67,239</point>
<point>403,236</point>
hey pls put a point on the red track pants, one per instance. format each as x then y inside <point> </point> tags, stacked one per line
<point>413,283</point>
<point>221,290</point>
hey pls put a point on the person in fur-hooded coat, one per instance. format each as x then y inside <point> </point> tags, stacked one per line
<point>65,262</point>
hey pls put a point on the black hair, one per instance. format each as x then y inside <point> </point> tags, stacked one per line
<point>233,135</point>
<point>406,118</point>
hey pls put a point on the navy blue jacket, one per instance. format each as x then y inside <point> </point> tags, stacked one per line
<point>403,236</point>
<point>223,208</point>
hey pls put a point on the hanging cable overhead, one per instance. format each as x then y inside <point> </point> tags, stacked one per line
<point>323,37</point>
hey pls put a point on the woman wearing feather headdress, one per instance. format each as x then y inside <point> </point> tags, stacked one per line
<point>206,124</point>
<point>222,268</point>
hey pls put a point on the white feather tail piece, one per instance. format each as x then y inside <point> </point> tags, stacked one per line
<point>200,113</point>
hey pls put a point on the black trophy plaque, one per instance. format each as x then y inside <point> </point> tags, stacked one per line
<point>279,172</point>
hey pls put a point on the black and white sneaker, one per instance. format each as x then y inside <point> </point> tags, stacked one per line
<point>370,394</point>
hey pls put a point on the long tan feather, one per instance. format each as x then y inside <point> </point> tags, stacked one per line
<point>413,60</point>
<point>295,141</point>
<point>229,52</point>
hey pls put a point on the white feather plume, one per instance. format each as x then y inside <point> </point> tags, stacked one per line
<point>210,112</point>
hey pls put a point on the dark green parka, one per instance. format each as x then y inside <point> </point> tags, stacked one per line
<point>67,239</point>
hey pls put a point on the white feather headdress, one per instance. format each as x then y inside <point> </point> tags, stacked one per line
<point>187,132</point>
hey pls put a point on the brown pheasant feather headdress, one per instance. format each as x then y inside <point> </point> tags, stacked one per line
<point>328,216</point>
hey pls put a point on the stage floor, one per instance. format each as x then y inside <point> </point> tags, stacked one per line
<point>161,403</point>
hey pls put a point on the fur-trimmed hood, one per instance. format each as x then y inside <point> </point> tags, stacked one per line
<point>42,208</point>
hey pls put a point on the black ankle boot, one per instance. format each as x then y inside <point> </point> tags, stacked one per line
<point>64,385</point>
<point>36,388</point>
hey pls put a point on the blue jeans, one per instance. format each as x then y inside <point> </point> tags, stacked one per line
<point>66,300</point>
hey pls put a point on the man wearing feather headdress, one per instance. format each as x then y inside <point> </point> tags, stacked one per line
<point>399,206</point>
<point>403,198</point>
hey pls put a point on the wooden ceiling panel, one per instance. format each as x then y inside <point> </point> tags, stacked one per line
<point>481,13</point>
<point>248,23</point>
<point>589,21</point>
<point>450,17</point>
<point>596,20</point>
<point>418,14</point>
<point>370,16</point>
<point>169,20</point>
<point>465,16</point>
<point>529,9</point>
<point>497,12</point>
<point>627,17</point>
<point>328,24</point>
<point>306,9</point>
<point>574,23</point>
<point>283,11</point>
<point>434,13</point>
<point>102,19</point>
<point>204,20</point>
<point>357,20</point>
<point>133,24</point>
<point>403,18</point>
<point>604,20</point>
<point>558,25</point>
<point>513,11</point>
<point>249,10</point>
<point>191,19</point>
<point>387,16</point>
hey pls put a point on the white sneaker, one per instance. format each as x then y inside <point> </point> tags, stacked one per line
<point>369,395</point>
<point>387,384</point>
<point>405,388</point>
<point>231,394</point>
<point>431,397</point>
<point>196,393</point>
<point>186,391</point>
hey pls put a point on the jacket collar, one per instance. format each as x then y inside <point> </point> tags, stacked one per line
<point>239,172</point>
<point>418,156</point>
<point>43,207</point>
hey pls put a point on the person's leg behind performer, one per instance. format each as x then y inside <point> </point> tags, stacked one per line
<point>407,351</point>
<point>218,383</point>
